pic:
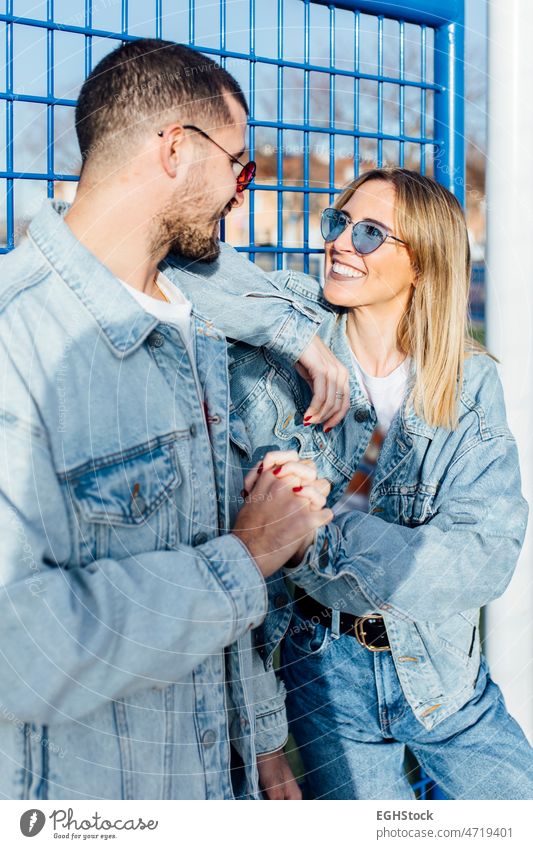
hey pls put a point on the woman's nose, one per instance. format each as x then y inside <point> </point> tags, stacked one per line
<point>344,241</point>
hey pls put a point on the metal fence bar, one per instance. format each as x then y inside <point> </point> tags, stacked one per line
<point>423,97</point>
<point>10,212</point>
<point>331,127</point>
<point>449,109</point>
<point>251,132</point>
<point>279,142</point>
<point>50,94</point>
<point>380,92</point>
<point>306,123</point>
<point>88,53</point>
<point>401,58</point>
<point>433,13</point>
<point>356,86</point>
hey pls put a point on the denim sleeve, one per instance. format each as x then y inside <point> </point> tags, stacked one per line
<point>74,638</point>
<point>246,305</point>
<point>271,728</point>
<point>463,557</point>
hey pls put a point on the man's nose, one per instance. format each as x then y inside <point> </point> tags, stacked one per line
<point>237,200</point>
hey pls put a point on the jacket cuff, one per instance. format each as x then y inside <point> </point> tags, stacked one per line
<point>271,726</point>
<point>296,332</point>
<point>317,555</point>
<point>240,578</point>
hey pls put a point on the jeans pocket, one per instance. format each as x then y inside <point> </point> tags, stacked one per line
<point>307,637</point>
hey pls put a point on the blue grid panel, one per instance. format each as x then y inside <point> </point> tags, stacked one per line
<point>333,88</point>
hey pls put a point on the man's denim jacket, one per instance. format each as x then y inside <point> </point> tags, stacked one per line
<point>446,521</point>
<point>126,654</point>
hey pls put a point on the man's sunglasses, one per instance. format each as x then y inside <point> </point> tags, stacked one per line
<point>246,173</point>
<point>367,236</point>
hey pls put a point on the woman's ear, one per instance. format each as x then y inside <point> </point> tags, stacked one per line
<point>414,269</point>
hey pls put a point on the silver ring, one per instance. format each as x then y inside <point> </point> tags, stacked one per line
<point>339,395</point>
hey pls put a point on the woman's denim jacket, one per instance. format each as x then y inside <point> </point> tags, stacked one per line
<point>126,653</point>
<point>446,521</point>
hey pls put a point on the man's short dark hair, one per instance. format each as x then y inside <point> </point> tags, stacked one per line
<point>144,81</point>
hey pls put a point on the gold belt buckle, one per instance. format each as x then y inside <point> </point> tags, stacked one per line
<point>360,633</point>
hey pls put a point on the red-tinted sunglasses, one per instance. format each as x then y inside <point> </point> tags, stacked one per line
<point>247,172</point>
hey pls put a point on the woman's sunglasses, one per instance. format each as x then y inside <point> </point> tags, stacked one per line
<point>246,173</point>
<point>367,236</point>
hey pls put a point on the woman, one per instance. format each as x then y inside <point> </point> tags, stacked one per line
<point>430,519</point>
<point>383,650</point>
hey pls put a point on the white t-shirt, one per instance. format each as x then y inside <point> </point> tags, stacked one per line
<point>386,395</point>
<point>177,312</point>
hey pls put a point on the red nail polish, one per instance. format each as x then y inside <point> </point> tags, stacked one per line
<point>327,429</point>
<point>297,488</point>
<point>308,424</point>
<point>306,418</point>
<point>244,494</point>
<point>277,470</point>
<point>260,469</point>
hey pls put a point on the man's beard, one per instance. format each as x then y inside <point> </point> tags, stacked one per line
<point>181,228</point>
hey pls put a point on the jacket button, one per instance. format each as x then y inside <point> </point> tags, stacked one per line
<point>404,490</point>
<point>200,538</point>
<point>281,600</point>
<point>193,430</point>
<point>209,738</point>
<point>138,506</point>
<point>156,339</point>
<point>362,414</point>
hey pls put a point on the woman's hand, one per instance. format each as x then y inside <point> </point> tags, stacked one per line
<point>282,507</point>
<point>276,777</point>
<point>285,464</point>
<point>329,381</point>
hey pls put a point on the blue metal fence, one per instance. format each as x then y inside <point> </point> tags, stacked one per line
<point>333,87</point>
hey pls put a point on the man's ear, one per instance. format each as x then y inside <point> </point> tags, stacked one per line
<point>172,137</point>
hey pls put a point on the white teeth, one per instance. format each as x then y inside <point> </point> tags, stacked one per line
<point>346,271</point>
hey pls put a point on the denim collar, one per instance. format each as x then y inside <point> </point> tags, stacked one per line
<point>124,323</point>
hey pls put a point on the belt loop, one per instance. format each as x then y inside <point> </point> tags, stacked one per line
<point>335,623</point>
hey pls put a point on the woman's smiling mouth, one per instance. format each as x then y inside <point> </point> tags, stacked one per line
<point>347,270</point>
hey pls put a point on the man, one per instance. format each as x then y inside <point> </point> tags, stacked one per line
<point>132,570</point>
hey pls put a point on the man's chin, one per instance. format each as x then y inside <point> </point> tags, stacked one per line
<point>208,252</point>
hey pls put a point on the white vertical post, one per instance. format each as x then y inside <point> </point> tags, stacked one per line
<point>509,289</point>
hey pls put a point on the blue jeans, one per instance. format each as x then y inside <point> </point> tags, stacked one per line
<point>352,724</point>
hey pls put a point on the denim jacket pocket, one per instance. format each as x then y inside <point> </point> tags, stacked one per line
<point>415,503</point>
<point>122,503</point>
<point>458,636</point>
<point>307,638</point>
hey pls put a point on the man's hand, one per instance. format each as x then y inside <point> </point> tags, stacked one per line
<point>276,777</point>
<point>329,381</point>
<point>284,506</point>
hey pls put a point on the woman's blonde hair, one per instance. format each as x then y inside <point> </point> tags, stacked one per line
<point>435,329</point>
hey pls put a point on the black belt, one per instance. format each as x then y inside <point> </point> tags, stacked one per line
<point>369,630</point>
